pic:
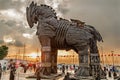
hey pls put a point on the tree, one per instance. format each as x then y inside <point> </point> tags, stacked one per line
<point>3,51</point>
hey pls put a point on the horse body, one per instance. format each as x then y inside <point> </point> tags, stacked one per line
<point>64,33</point>
<point>54,34</point>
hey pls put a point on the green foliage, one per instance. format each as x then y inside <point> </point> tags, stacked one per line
<point>3,51</point>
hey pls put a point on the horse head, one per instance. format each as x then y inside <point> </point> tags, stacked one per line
<point>36,12</point>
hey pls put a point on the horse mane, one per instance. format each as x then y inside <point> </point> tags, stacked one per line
<point>45,10</point>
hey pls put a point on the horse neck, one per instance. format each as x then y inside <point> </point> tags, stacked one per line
<point>50,21</point>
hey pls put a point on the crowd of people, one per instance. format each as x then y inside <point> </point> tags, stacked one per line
<point>15,68</point>
<point>112,71</point>
<point>65,68</point>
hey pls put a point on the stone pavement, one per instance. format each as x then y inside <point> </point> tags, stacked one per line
<point>21,76</point>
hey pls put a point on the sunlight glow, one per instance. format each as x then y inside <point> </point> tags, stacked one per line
<point>26,35</point>
<point>33,55</point>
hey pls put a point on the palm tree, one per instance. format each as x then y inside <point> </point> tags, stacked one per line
<point>3,51</point>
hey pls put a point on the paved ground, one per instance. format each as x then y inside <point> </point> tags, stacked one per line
<point>21,76</point>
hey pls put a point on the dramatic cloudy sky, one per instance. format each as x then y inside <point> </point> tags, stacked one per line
<point>102,14</point>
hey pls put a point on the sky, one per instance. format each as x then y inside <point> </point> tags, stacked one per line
<point>102,14</point>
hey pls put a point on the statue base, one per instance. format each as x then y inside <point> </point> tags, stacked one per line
<point>85,78</point>
<point>50,77</point>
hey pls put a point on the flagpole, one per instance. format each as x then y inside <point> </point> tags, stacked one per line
<point>112,57</point>
<point>73,57</point>
<point>102,55</point>
<point>24,52</point>
<point>19,54</point>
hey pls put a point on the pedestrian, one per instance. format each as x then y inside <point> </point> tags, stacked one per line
<point>114,74</point>
<point>97,77</point>
<point>67,67</point>
<point>0,71</point>
<point>74,66</point>
<point>63,68</point>
<point>4,68</point>
<point>67,76</point>
<point>71,67</point>
<point>34,67</point>
<point>105,69</point>
<point>12,72</point>
<point>25,69</point>
<point>38,73</point>
<point>109,74</point>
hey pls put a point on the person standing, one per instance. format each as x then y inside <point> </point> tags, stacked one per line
<point>67,76</point>
<point>4,68</point>
<point>63,68</point>
<point>12,72</point>
<point>0,71</point>
<point>66,67</point>
<point>109,74</point>
<point>38,73</point>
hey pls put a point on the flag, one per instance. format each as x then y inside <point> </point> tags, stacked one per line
<point>111,54</point>
<point>118,54</point>
<point>114,54</point>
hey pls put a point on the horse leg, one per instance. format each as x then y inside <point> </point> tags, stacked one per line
<point>45,55</point>
<point>54,61</point>
<point>95,67</point>
<point>83,61</point>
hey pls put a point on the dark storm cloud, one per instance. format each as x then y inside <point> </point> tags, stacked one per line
<point>8,27</point>
<point>15,25</point>
<point>18,43</point>
<point>102,14</point>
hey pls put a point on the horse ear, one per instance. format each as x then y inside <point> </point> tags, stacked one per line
<point>32,4</point>
<point>28,16</point>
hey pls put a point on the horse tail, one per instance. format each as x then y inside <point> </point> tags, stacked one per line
<point>93,46</point>
<point>96,37</point>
